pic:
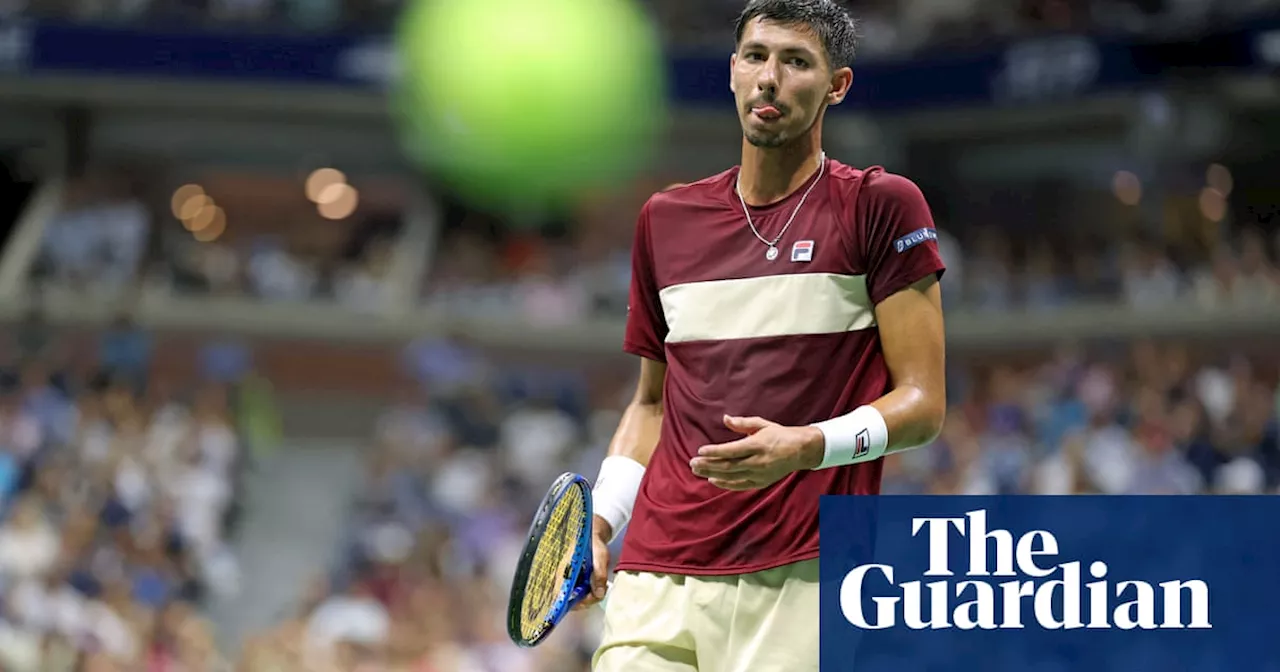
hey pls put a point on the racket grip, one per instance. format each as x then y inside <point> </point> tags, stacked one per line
<point>582,590</point>
<point>579,593</point>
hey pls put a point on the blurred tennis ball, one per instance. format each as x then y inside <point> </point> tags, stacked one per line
<point>516,103</point>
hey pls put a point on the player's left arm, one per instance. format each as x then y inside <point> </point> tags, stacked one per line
<point>904,268</point>
<point>914,345</point>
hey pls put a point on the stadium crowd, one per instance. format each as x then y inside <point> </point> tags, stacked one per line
<point>455,469</point>
<point>561,280</point>
<point>112,232</point>
<point>119,492</point>
<point>421,582</point>
<point>117,229</point>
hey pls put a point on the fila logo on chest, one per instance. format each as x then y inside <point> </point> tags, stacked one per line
<point>802,250</point>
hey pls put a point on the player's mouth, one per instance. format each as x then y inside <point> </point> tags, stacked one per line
<point>766,112</point>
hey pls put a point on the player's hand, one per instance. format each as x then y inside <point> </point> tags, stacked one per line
<point>766,454</point>
<point>600,534</point>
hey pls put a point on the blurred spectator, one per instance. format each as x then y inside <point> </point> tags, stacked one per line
<point>1216,285</point>
<point>276,274</point>
<point>97,242</point>
<point>1259,279</point>
<point>1150,279</point>
<point>126,351</point>
<point>354,618</point>
<point>365,285</point>
<point>29,544</point>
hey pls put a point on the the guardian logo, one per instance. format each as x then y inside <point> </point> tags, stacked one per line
<point>1013,584</point>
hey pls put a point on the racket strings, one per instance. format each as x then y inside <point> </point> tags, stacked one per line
<point>553,557</point>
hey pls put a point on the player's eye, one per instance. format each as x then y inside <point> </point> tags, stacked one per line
<point>754,56</point>
<point>799,62</point>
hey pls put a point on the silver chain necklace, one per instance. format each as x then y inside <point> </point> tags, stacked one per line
<point>772,253</point>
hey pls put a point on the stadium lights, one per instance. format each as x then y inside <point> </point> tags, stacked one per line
<point>192,208</point>
<point>182,197</point>
<point>323,179</point>
<point>332,193</point>
<point>338,201</point>
<point>202,219</point>
<point>198,213</point>
<point>214,229</point>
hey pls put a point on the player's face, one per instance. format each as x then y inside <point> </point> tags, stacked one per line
<point>782,82</point>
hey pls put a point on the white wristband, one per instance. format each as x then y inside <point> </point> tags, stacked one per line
<point>614,494</point>
<point>860,436</point>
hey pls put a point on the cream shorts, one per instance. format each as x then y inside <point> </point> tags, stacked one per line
<point>761,622</point>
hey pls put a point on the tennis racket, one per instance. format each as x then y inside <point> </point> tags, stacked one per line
<point>554,572</point>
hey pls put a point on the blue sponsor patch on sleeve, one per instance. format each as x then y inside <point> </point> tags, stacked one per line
<point>914,238</point>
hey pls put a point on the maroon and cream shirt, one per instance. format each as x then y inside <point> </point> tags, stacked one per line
<point>792,340</point>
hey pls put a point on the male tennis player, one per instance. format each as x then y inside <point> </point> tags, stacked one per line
<point>788,319</point>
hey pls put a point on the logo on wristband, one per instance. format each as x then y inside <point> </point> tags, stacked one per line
<point>862,443</point>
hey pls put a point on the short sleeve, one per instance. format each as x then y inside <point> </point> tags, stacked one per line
<point>900,237</point>
<point>646,325</point>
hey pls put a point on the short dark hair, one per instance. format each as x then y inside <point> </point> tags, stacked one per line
<point>837,30</point>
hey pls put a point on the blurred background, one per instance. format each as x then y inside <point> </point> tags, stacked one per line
<point>271,402</point>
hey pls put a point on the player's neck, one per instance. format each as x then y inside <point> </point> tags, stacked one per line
<point>770,174</point>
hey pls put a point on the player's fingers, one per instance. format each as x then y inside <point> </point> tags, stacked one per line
<point>599,576</point>
<point>732,450</point>
<point>749,425</point>
<point>733,484</point>
<point>599,569</point>
<point>718,468</point>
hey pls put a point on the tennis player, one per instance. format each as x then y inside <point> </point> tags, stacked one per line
<point>789,326</point>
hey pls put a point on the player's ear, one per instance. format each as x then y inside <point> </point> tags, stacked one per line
<point>733,63</point>
<point>841,81</point>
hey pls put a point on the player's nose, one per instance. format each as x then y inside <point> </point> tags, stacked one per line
<point>767,80</point>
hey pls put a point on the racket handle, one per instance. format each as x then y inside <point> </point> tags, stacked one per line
<point>583,589</point>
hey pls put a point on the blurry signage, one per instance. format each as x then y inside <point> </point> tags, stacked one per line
<point>337,60</point>
<point>1037,70</point>
<point>1046,69</point>
<point>372,62</point>
<point>15,45</point>
<point>1267,47</point>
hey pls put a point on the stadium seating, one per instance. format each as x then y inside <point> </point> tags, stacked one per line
<point>1100,346</point>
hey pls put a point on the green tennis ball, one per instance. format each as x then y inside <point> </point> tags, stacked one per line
<point>520,102</point>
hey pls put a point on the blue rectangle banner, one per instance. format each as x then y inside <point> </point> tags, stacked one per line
<point>1050,583</point>
<point>1034,70</point>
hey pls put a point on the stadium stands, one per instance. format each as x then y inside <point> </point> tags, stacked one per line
<point>1105,341</point>
<point>120,496</point>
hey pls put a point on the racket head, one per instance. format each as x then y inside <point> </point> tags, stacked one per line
<point>554,571</point>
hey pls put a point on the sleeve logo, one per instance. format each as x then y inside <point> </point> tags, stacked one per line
<point>914,238</point>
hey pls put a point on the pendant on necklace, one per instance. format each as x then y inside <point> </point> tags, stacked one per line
<point>772,253</point>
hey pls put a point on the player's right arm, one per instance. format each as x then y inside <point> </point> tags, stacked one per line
<point>634,441</point>
<point>614,494</point>
<point>615,490</point>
